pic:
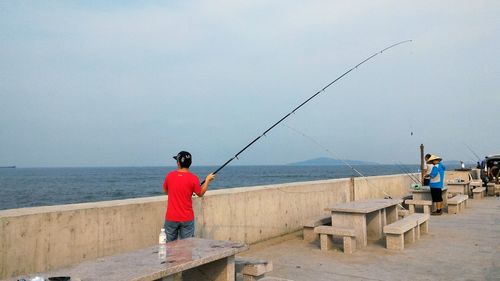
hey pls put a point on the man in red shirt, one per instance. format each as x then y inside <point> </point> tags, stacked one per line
<point>180,185</point>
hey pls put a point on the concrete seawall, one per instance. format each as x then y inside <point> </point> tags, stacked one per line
<point>45,238</point>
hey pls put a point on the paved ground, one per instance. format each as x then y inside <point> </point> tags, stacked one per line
<point>465,246</point>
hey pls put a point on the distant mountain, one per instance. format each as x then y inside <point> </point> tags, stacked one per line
<point>325,161</point>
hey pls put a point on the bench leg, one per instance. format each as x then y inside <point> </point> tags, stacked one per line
<point>349,244</point>
<point>395,242</point>
<point>325,242</point>
<point>427,209</point>
<point>309,235</point>
<point>412,208</point>
<point>409,236</point>
<point>424,227</point>
<point>452,209</point>
<point>417,232</point>
<point>219,270</point>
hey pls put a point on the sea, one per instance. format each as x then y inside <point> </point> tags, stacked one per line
<point>30,187</point>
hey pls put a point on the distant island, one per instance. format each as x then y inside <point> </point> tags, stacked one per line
<point>7,167</point>
<point>325,161</point>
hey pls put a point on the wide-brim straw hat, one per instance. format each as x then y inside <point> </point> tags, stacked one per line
<point>432,158</point>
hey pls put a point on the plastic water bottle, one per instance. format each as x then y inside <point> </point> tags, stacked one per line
<point>163,237</point>
<point>162,247</point>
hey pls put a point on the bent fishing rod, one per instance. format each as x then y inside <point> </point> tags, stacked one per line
<point>405,170</point>
<point>303,103</point>
<point>470,149</point>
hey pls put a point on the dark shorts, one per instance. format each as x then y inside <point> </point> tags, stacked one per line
<point>426,181</point>
<point>436,194</point>
<point>180,230</point>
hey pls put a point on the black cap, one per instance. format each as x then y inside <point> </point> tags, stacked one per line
<point>184,158</point>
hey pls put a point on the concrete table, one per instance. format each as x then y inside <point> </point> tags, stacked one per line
<point>367,217</point>
<point>425,194</point>
<point>459,187</point>
<point>188,259</point>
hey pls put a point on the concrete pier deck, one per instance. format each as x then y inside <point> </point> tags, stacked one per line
<point>465,246</point>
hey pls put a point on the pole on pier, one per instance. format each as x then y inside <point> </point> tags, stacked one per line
<point>422,162</point>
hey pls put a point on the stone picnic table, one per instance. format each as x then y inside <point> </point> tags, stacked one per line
<point>187,259</point>
<point>425,194</point>
<point>366,217</point>
<point>459,187</point>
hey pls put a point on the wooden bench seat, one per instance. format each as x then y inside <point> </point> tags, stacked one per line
<point>426,204</point>
<point>457,204</point>
<point>309,225</point>
<point>406,230</point>
<point>348,235</point>
<point>478,192</point>
<point>252,269</point>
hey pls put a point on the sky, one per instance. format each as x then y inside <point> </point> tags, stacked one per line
<point>131,83</point>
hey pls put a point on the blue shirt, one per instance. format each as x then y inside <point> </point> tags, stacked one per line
<point>437,176</point>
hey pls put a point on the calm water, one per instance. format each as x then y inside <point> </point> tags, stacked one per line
<point>28,187</point>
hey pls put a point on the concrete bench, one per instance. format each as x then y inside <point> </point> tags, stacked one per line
<point>252,269</point>
<point>478,192</point>
<point>348,235</point>
<point>402,213</point>
<point>476,183</point>
<point>406,230</point>
<point>187,259</point>
<point>422,225</point>
<point>497,190</point>
<point>308,229</point>
<point>490,189</point>
<point>457,204</point>
<point>426,204</point>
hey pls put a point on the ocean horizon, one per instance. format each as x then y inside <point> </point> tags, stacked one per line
<point>31,187</point>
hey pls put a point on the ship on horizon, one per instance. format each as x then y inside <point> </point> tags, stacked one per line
<point>7,167</point>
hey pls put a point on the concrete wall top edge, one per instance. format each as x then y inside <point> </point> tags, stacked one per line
<point>386,176</point>
<point>272,186</point>
<point>160,198</point>
<point>78,206</point>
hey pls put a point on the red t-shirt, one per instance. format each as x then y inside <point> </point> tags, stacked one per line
<point>180,187</point>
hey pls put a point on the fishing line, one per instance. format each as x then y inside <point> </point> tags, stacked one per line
<point>407,172</point>
<point>343,161</point>
<point>470,149</point>
<point>324,148</point>
<point>306,101</point>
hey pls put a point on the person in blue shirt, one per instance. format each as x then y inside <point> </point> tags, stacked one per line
<point>436,182</point>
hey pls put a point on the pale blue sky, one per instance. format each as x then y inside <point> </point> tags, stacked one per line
<point>126,83</point>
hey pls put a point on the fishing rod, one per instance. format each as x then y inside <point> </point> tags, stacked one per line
<point>470,149</point>
<point>303,103</point>
<point>405,170</point>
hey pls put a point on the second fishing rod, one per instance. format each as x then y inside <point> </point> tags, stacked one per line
<point>303,103</point>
